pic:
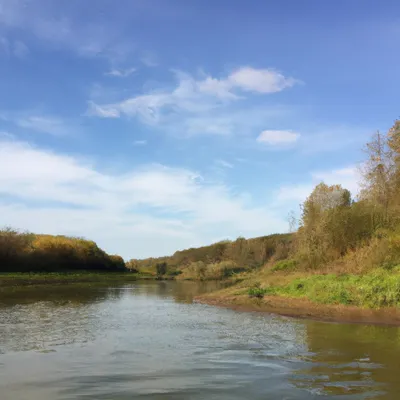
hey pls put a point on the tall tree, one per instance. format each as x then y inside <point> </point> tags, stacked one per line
<point>377,174</point>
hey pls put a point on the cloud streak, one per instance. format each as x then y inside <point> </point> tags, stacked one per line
<point>121,73</point>
<point>155,200</point>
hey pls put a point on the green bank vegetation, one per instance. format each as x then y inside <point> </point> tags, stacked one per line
<point>379,288</point>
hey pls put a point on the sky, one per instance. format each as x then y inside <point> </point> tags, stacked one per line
<point>152,126</point>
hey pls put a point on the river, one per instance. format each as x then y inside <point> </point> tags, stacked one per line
<point>148,340</point>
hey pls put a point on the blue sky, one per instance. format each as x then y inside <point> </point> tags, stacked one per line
<point>156,125</point>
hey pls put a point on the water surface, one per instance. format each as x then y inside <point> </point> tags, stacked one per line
<point>147,340</point>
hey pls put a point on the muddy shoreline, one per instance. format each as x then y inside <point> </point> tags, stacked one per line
<point>305,309</point>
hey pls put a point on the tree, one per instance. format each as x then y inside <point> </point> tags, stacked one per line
<point>377,174</point>
<point>394,146</point>
<point>320,237</point>
<point>324,198</point>
<point>161,268</point>
<point>292,220</point>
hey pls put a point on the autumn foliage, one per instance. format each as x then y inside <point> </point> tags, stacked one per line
<point>27,252</point>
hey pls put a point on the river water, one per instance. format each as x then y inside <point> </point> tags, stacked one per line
<point>148,340</point>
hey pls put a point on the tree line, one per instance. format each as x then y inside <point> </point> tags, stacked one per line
<point>29,252</point>
<point>219,259</point>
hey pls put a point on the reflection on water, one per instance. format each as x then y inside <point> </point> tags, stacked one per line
<point>346,359</point>
<point>148,340</point>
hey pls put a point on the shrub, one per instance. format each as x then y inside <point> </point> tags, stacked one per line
<point>257,292</point>
<point>161,268</point>
<point>284,265</point>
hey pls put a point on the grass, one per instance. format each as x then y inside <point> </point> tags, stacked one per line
<point>380,288</point>
<point>22,279</point>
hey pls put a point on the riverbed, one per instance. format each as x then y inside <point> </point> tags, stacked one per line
<point>148,340</point>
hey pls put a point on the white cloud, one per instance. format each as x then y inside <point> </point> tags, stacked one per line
<point>347,177</point>
<point>140,142</point>
<point>277,137</point>
<point>126,213</point>
<point>121,73</point>
<point>260,80</point>
<point>217,88</point>
<point>194,105</point>
<point>99,111</point>
<point>51,125</point>
<point>223,163</point>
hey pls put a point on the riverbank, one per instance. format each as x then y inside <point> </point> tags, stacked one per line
<point>27,279</point>
<point>372,298</point>
<point>305,309</point>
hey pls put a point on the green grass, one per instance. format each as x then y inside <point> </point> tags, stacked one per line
<point>380,288</point>
<point>22,279</point>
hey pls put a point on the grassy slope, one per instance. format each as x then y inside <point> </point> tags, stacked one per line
<point>373,297</point>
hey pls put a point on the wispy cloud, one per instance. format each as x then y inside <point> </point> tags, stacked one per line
<point>203,105</point>
<point>64,194</point>
<point>197,95</point>
<point>224,164</point>
<point>140,142</point>
<point>45,22</point>
<point>13,48</point>
<point>121,73</point>
<point>277,137</point>
<point>51,125</point>
<point>20,49</point>
<point>6,136</point>
<point>149,59</point>
<point>37,121</point>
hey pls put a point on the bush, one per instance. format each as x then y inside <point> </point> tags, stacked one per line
<point>257,292</point>
<point>284,265</point>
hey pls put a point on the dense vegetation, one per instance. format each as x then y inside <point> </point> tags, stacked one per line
<point>219,260</point>
<point>28,252</point>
